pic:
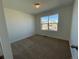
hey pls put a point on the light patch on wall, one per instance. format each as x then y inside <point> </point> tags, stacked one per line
<point>20,25</point>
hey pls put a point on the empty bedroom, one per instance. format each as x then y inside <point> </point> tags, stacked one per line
<point>38,29</point>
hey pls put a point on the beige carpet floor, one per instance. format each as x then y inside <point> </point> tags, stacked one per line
<point>41,47</point>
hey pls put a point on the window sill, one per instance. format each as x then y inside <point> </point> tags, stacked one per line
<point>49,30</point>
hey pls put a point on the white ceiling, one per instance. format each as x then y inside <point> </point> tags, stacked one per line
<point>27,5</point>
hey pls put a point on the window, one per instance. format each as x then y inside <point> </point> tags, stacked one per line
<point>50,22</point>
<point>44,23</point>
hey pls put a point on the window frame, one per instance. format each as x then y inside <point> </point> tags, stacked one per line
<point>48,22</point>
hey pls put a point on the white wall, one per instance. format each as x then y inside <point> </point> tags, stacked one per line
<point>65,15</point>
<point>20,25</point>
<point>74,29</point>
<point>5,44</point>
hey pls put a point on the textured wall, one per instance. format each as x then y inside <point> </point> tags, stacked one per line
<point>5,44</point>
<point>74,29</point>
<point>20,25</point>
<point>64,26</point>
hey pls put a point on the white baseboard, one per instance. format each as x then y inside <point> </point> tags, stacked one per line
<point>23,37</point>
